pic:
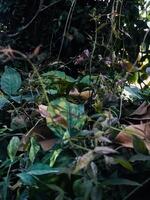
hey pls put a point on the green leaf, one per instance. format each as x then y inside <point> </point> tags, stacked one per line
<point>54,156</point>
<point>59,190</point>
<point>139,145</point>
<point>133,77</point>
<point>74,114</point>
<point>60,197</point>
<point>23,195</point>
<point>96,193</point>
<point>13,147</point>
<point>29,97</point>
<point>18,122</point>
<point>87,189</point>
<point>3,101</point>
<point>27,179</point>
<point>132,92</point>
<point>5,183</point>
<point>58,75</point>
<point>10,81</point>
<point>42,169</point>
<point>77,187</point>
<point>34,149</point>
<point>87,80</point>
<point>139,157</point>
<point>82,188</point>
<point>120,181</point>
<point>124,163</point>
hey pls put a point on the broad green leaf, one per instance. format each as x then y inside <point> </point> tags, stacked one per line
<point>120,181</point>
<point>34,149</point>
<point>58,75</point>
<point>29,97</point>
<point>139,145</point>
<point>87,80</point>
<point>13,147</point>
<point>27,179</point>
<point>75,116</point>
<point>10,81</point>
<point>124,163</point>
<point>72,113</point>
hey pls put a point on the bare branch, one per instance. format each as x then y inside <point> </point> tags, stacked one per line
<point>40,9</point>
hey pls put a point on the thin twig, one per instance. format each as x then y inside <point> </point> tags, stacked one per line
<point>48,6</point>
<point>136,189</point>
<point>30,22</point>
<point>66,26</point>
<point>40,9</point>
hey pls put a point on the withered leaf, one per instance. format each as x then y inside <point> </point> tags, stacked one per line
<point>142,131</point>
<point>141,113</point>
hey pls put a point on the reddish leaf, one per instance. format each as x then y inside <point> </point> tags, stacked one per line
<point>142,131</point>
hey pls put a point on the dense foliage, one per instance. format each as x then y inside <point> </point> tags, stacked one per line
<point>74,76</point>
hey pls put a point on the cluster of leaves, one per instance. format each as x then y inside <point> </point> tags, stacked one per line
<point>65,95</point>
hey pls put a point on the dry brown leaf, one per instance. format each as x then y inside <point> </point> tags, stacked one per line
<point>128,66</point>
<point>37,50</point>
<point>47,144</point>
<point>141,113</point>
<point>141,110</point>
<point>141,130</point>
<point>85,95</point>
<point>60,120</point>
<point>43,110</point>
<point>83,161</point>
<point>43,136</point>
<point>15,186</point>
